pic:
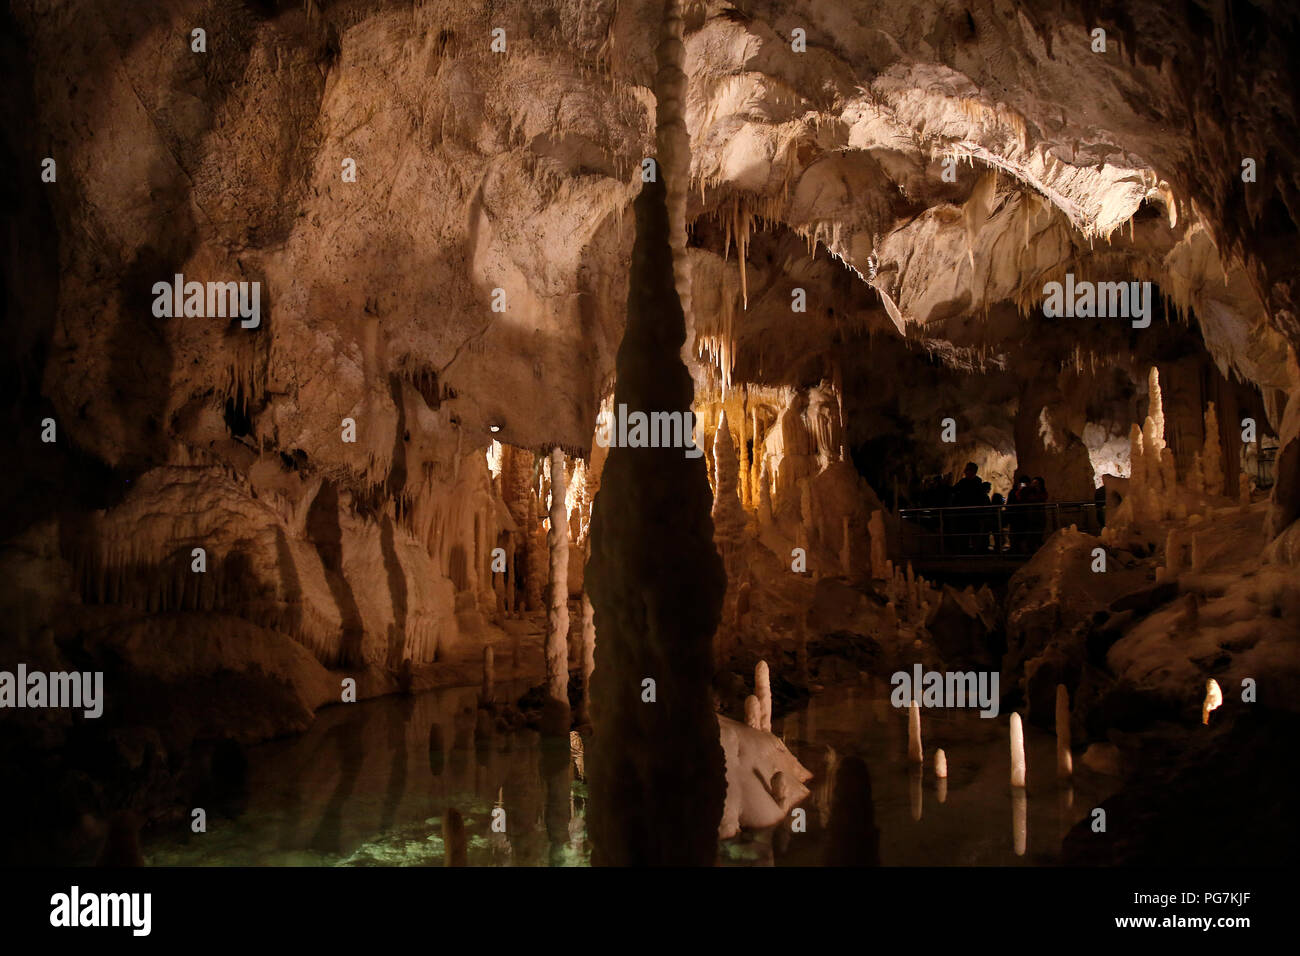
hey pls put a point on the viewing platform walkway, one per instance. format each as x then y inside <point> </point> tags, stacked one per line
<point>986,539</point>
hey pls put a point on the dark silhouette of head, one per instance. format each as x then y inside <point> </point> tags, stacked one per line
<point>971,469</point>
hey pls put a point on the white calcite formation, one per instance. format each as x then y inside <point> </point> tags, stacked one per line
<point>1213,699</point>
<point>1017,751</point>
<point>914,752</point>
<point>753,759</point>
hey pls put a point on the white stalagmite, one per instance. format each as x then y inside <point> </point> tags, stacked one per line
<point>1156,406</point>
<point>753,712</point>
<point>940,764</point>
<point>914,751</point>
<point>763,691</point>
<point>1017,751</point>
<point>1064,760</point>
<point>1213,699</point>
<point>557,617</point>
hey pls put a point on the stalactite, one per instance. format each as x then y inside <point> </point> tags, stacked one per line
<point>657,773</point>
<point>537,557</point>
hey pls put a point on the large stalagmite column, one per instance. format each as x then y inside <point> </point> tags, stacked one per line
<point>656,766</point>
<point>557,614</point>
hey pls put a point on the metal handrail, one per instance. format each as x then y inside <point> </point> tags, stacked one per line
<point>959,530</point>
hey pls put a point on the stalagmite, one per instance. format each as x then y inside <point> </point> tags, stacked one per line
<point>1196,476</point>
<point>879,552</point>
<point>1213,699</point>
<point>1156,406</point>
<point>1017,751</point>
<point>1211,459</point>
<point>914,792</point>
<point>1064,760</point>
<point>914,752</point>
<point>940,764</point>
<point>1173,552</point>
<point>753,712</point>
<point>657,769</point>
<point>763,691</point>
<point>556,718</point>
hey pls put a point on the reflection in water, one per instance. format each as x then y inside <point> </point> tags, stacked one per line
<point>854,837</point>
<point>454,847</point>
<point>356,790</point>
<point>1019,819</point>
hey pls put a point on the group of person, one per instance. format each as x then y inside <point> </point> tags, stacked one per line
<point>1020,530</point>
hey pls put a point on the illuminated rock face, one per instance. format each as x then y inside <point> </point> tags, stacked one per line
<point>557,614</point>
<point>888,205</point>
